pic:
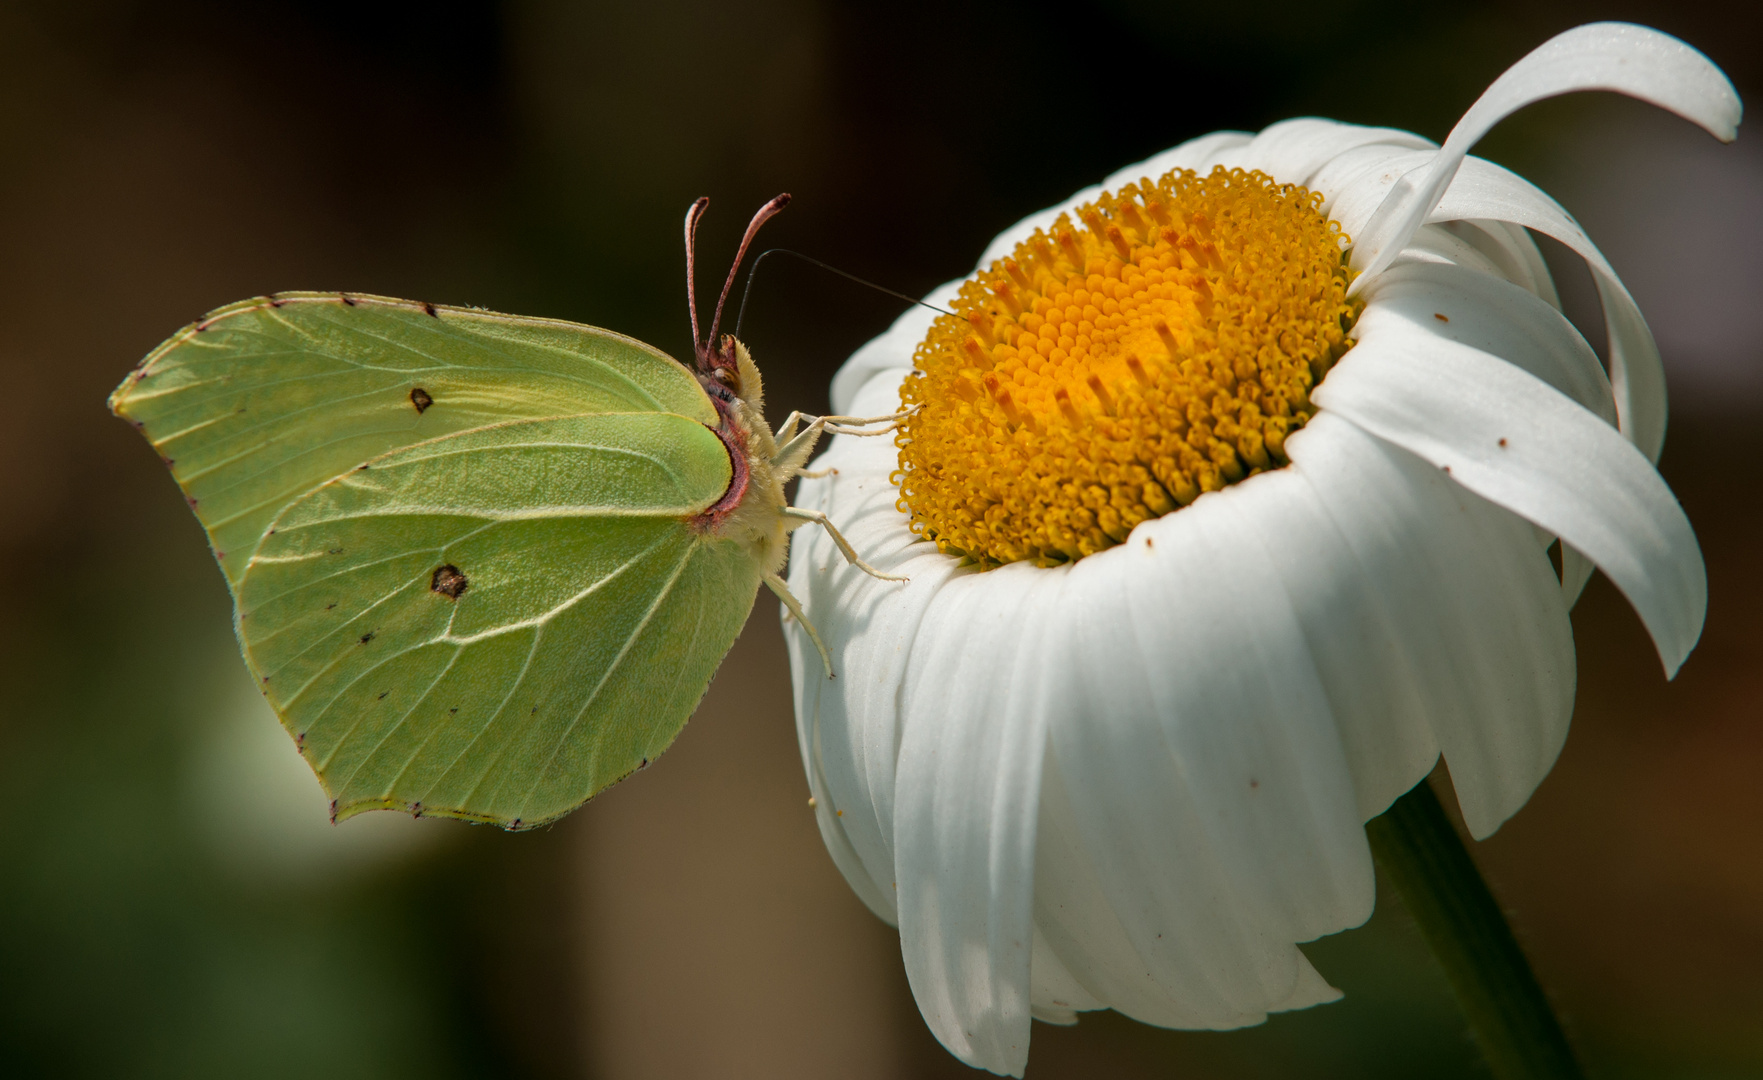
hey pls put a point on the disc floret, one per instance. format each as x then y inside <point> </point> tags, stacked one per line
<point>1114,369</point>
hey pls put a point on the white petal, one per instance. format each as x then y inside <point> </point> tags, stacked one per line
<point>1622,57</point>
<point>1075,918</point>
<point>966,806</point>
<point>1057,996</point>
<point>849,726</point>
<point>1076,922</point>
<point>1332,561</point>
<point>808,687</point>
<point>1513,253</point>
<point>805,666</point>
<point>1518,442</point>
<point>1452,247</point>
<point>1357,182</point>
<point>1500,318</point>
<point>1576,570</point>
<point>1637,377</point>
<point>1292,151</point>
<point>1213,799</point>
<point>1310,990</point>
<point>1456,611</point>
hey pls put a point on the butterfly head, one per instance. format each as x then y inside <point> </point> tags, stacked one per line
<point>723,365</point>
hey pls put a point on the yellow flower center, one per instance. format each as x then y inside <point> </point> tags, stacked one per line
<point>1113,372</point>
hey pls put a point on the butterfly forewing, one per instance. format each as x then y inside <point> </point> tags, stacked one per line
<point>498,623</point>
<point>261,402</point>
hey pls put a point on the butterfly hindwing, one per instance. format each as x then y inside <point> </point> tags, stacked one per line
<point>498,623</point>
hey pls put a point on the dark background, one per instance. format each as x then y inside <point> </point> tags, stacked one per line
<point>172,902</point>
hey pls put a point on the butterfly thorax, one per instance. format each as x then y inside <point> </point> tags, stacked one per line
<point>750,511</point>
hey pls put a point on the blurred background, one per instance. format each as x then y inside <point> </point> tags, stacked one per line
<point>173,902</point>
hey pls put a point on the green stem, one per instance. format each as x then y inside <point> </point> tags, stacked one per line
<point>1421,853</point>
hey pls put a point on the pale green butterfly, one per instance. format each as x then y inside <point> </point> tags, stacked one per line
<point>482,566</point>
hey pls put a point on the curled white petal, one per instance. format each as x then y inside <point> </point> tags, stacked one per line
<point>1511,251</point>
<point>1497,317</point>
<point>1637,375</point>
<point>1518,442</point>
<point>1622,57</point>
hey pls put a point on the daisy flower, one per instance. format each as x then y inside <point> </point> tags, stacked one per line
<point>1239,488</point>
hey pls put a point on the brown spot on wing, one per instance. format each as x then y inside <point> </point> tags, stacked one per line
<point>449,582</point>
<point>421,399</point>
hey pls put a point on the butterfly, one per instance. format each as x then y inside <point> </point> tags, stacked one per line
<point>483,566</point>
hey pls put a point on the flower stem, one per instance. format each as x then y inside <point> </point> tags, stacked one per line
<point>1420,851</point>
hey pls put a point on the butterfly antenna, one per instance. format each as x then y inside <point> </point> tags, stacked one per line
<point>765,214</point>
<point>753,272</point>
<point>692,217</point>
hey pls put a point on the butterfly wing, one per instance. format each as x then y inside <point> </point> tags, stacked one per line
<point>262,401</point>
<point>460,544</point>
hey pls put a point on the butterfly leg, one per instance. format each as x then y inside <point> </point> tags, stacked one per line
<point>865,425</point>
<point>776,584</point>
<point>817,474</point>
<point>796,448</point>
<point>787,430</point>
<point>869,421</point>
<point>793,454</point>
<point>850,553</point>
